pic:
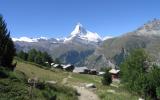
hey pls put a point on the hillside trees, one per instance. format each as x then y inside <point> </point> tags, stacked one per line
<point>139,76</point>
<point>23,55</point>
<point>42,58</point>
<point>31,55</point>
<point>7,49</point>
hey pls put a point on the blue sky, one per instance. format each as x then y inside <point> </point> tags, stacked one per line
<point>57,18</point>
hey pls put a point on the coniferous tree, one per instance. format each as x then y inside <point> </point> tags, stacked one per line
<point>7,49</point>
<point>23,55</point>
<point>38,58</point>
<point>47,58</point>
<point>57,61</point>
<point>31,55</point>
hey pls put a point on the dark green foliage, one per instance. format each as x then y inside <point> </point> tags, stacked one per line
<point>15,87</point>
<point>133,71</point>
<point>107,78</point>
<point>31,55</point>
<point>153,82</point>
<point>158,92</point>
<point>42,58</point>
<point>57,61</point>
<point>7,49</point>
<point>38,58</point>
<point>3,73</point>
<point>40,85</point>
<point>139,76</point>
<point>134,65</point>
<point>23,55</point>
<point>103,69</point>
<point>46,57</point>
<point>60,89</point>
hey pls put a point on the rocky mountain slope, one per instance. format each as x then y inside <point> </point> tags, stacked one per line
<point>115,49</point>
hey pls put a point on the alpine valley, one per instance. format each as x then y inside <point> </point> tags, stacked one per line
<point>85,48</point>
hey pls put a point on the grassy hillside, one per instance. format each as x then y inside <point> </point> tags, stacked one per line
<point>14,85</point>
<point>73,79</point>
<point>34,70</point>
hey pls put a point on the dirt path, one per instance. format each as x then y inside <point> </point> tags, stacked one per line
<point>86,94</point>
<point>64,81</point>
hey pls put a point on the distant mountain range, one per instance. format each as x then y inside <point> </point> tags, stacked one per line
<point>79,34</point>
<point>73,49</point>
<point>85,48</point>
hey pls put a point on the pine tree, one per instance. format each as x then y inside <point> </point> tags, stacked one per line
<point>47,58</point>
<point>38,58</point>
<point>57,61</point>
<point>31,55</point>
<point>23,55</point>
<point>7,49</point>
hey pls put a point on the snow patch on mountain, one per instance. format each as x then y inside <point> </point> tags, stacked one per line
<point>27,39</point>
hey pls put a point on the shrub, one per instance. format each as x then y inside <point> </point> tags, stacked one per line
<point>107,78</point>
<point>3,73</point>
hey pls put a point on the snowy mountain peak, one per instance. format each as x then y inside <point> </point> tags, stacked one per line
<point>80,33</point>
<point>79,29</point>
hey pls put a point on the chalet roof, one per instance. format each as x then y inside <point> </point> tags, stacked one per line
<point>114,71</point>
<point>52,64</point>
<point>101,73</point>
<point>80,69</point>
<point>93,70</point>
<point>66,66</point>
<point>55,65</point>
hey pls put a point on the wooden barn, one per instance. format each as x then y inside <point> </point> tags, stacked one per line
<point>114,73</point>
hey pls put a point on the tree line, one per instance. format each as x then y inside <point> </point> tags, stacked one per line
<point>36,56</point>
<point>7,48</point>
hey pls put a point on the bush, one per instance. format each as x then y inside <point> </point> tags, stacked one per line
<point>158,92</point>
<point>40,85</point>
<point>3,73</point>
<point>107,78</point>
